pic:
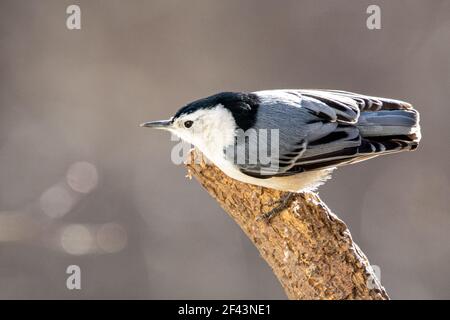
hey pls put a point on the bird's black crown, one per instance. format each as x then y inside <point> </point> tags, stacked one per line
<point>243,106</point>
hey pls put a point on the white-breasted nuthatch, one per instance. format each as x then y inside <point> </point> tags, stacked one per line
<point>314,132</point>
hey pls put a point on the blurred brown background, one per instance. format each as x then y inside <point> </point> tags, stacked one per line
<point>81,184</point>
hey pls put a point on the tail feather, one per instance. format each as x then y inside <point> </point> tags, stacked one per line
<point>388,123</point>
<point>390,130</point>
<point>379,132</point>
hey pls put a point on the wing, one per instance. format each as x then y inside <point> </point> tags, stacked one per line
<point>318,130</point>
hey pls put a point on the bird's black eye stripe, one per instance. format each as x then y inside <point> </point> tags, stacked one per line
<point>188,123</point>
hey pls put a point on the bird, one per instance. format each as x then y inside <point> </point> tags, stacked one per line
<point>293,139</point>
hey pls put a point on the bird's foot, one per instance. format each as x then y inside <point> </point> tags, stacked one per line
<point>283,203</point>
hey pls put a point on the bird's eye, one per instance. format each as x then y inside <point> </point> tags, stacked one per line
<point>188,123</point>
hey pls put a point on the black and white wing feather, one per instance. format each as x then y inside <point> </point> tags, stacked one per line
<point>323,128</point>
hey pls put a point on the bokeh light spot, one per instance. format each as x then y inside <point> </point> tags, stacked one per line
<point>56,201</point>
<point>111,237</point>
<point>82,177</point>
<point>76,239</point>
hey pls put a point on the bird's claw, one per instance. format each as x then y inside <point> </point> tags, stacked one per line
<point>283,203</point>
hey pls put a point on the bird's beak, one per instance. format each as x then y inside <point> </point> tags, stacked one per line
<point>160,124</point>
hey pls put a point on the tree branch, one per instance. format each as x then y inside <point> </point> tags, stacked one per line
<point>309,249</point>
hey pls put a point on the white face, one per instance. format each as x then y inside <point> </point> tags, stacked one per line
<point>208,129</point>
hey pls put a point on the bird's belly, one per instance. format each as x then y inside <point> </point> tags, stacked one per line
<point>305,181</point>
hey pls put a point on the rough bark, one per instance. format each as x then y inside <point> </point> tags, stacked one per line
<point>309,249</point>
